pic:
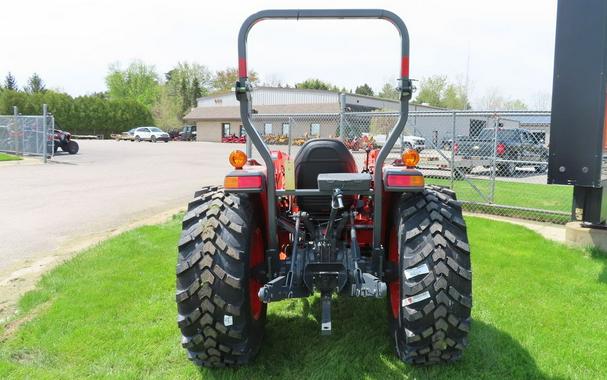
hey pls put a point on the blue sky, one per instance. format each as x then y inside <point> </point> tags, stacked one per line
<point>503,46</point>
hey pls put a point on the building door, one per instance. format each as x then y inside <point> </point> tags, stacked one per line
<point>225,129</point>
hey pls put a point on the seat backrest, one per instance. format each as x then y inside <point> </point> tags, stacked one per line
<point>315,157</point>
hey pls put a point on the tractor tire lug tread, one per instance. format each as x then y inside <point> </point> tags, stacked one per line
<point>433,232</point>
<point>212,280</point>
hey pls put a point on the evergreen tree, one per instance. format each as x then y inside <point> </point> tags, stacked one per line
<point>365,89</point>
<point>196,91</point>
<point>35,84</point>
<point>184,94</point>
<point>10,83</point>
<point>389,92</point>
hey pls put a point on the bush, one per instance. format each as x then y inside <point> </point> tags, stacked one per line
<point>91,114</point>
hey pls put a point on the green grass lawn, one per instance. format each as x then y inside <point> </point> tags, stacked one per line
<point>9,157</point>
<point>553,200</point>
<point>539,312</point>
<point>530,195</point>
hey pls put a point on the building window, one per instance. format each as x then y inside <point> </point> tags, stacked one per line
<point>225,128</point>
<point>243,132</point>
<point>476,126</point>
<point>285,129</point>
<point>267,129</point>
<point>315,130</point>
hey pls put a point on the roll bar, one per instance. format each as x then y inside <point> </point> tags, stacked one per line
<point>243,93</point>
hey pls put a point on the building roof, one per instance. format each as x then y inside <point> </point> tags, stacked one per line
<point>531,120</point>
<point>233,112</point>
<point>281,100</point>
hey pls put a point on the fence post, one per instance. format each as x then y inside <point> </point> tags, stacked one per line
<point>44,131</point>
<point>15,121</point>
<point>453,119</point>
<point>496,125</point>
<point>290,138</point>
<point>342,116</point>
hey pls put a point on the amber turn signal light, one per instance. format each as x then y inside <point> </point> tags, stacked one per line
<point>410,158</point>
<point>238,159</point>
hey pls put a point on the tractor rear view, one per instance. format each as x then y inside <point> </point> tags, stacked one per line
<point>289,227</point>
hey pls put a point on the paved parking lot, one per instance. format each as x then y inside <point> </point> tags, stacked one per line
<point>49,211</point>
<point>107,185</point>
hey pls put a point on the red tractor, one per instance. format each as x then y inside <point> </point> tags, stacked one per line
<point>288,228</point>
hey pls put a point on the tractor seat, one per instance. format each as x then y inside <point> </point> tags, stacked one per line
<point>315,157</point>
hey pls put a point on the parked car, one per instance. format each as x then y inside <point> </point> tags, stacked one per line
<point>409,142</point>
<point>188,133</point>
<point>127,136</point>
<point>513,147</point>
<point>152,134</point>
<point>174,134</point>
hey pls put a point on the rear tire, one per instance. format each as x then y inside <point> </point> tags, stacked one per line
<point>219,314</point>
<point>430,302</point>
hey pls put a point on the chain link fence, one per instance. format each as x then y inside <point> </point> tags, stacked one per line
<point>495,161</point>
<point>27,135</point>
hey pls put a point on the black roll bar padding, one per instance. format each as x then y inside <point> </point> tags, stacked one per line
<point>244,96</point>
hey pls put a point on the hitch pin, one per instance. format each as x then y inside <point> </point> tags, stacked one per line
<point>337,198</point>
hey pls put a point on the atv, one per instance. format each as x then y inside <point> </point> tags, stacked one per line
<point>63,140</point>
<point>288,228</point>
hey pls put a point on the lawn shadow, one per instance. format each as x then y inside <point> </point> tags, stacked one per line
<point>360,347</point>
<point>600,256</point>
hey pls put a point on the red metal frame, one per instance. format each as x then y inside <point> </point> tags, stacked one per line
<point>363,218</point>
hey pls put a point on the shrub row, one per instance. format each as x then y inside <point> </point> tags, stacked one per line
<point>91,114</point>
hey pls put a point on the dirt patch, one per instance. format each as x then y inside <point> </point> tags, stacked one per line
<point>25,277</point>
<point>11,326</point>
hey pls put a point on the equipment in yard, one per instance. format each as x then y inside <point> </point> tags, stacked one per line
<point>287,228</point>
<point>63,140</point>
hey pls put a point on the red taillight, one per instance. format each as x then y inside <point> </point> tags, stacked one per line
<point>249,182</point>
<point>455,148</point>
<point>405,181</point>
<point>500,149</point>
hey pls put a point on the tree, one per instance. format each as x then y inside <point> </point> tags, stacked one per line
<point>184,95</point>
<point>224,80</point>
<point>168,110</point>
<point>439,92</point>
<point>197,91</point>
<point>190,81</point>
<point>138,82</point>
<point>495,101</point>
<point>389,92</point>
<point>35,84</point>
<point>10,83</point>
<point>316,84</point>
<point>542,101</point>
<point>365,89</point>
<point>515,105</point>
<point>81,115</point>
